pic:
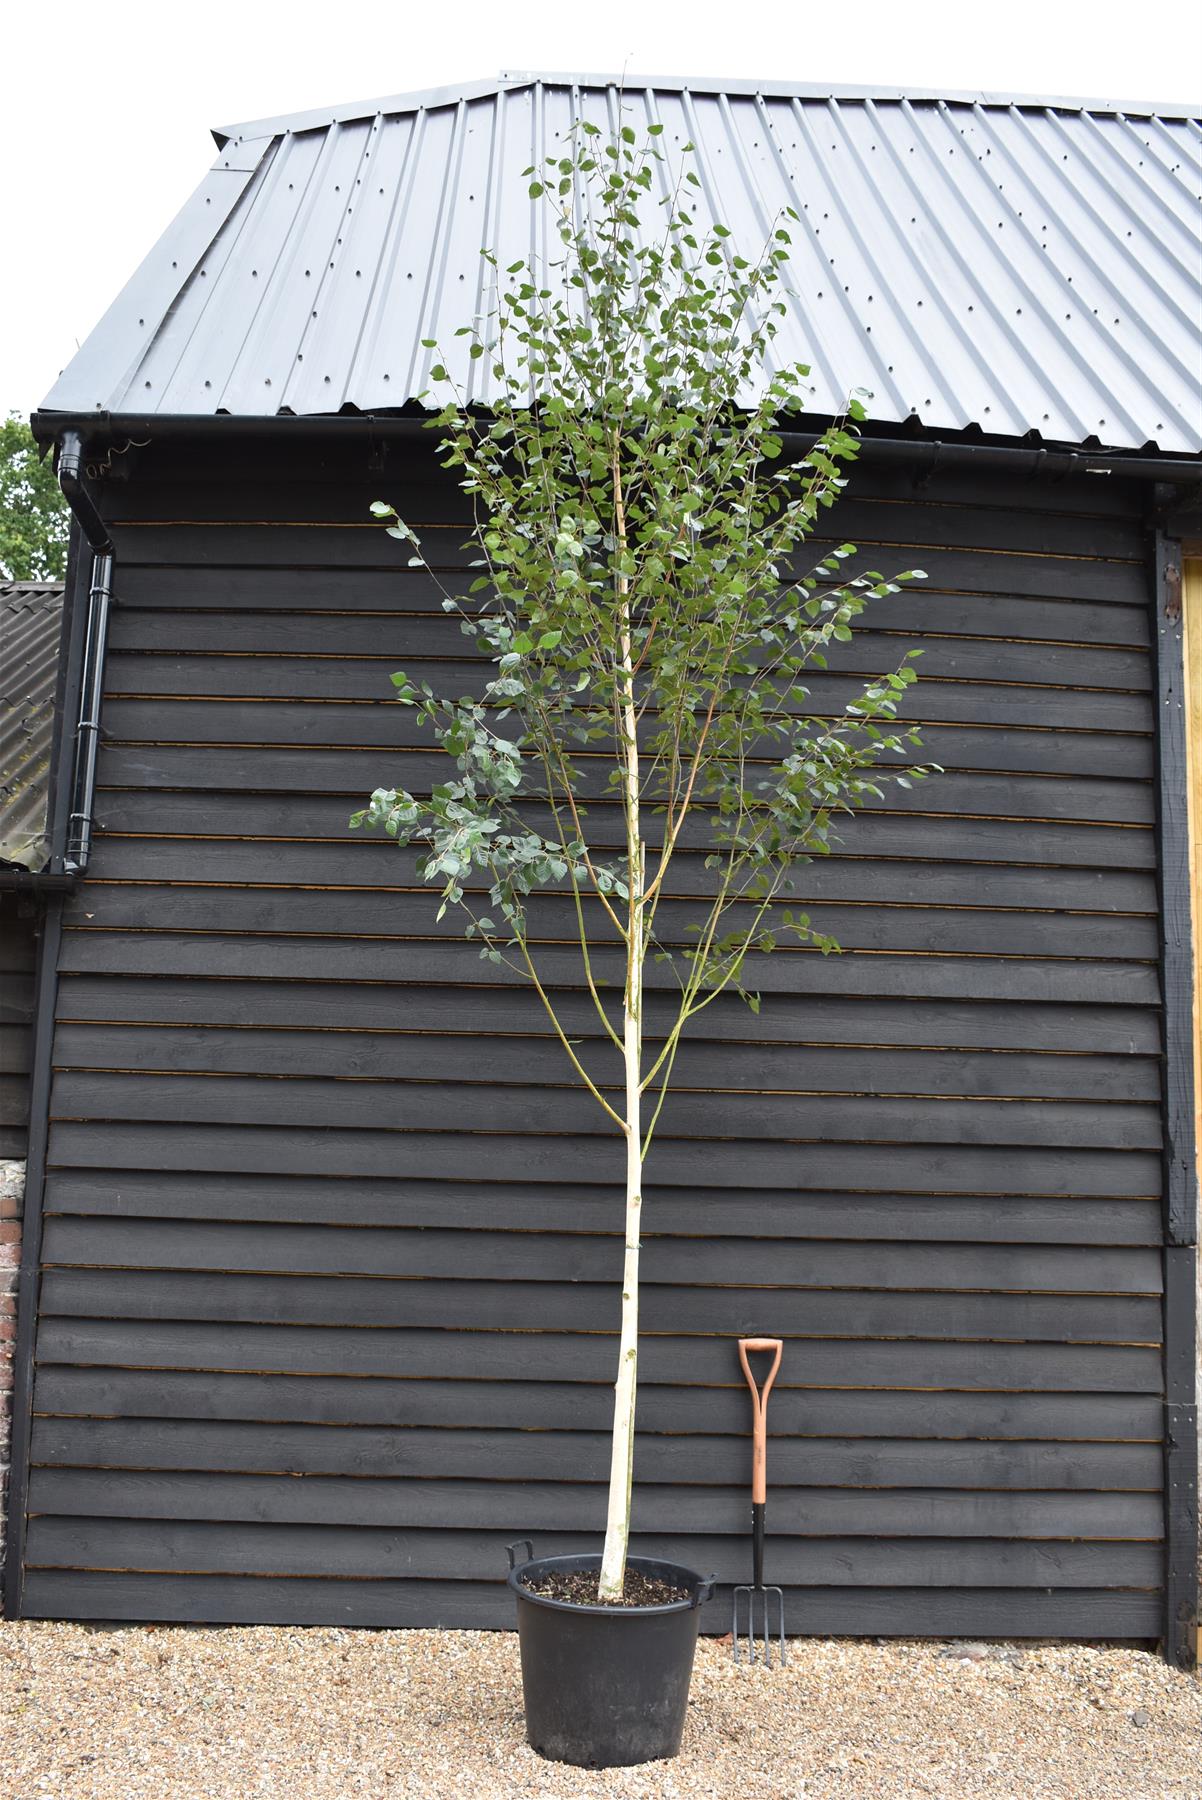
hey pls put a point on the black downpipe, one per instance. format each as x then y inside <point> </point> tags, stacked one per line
<point>91,690</point>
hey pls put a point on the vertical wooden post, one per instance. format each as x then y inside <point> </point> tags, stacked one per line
<point>1177,905</point>
<point>1191,599</point>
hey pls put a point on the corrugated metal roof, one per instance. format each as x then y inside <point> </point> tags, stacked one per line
<point>1017,266</point>
<point>30,626</point>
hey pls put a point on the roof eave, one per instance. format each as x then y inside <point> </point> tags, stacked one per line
<point>878,438</point>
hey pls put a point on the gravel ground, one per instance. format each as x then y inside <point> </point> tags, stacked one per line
<point>240,1714</point>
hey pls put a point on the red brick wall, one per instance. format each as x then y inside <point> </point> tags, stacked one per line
<point>12,1186</point>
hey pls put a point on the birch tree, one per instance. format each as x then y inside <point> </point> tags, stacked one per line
<point>649,616</point>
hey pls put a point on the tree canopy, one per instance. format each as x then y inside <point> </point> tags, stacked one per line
<point>34,519</point>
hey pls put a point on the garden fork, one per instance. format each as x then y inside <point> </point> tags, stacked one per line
<point>764,1606</point>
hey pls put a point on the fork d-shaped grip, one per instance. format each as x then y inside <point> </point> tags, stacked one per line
<point>759,1404</point>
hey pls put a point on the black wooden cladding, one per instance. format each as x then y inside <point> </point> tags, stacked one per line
<point>18,963</point>
<point>331,1244</point>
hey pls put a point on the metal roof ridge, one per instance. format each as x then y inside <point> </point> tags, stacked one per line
<point>508,80</point>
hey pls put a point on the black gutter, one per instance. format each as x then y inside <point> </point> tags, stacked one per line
<point>1014,459</point>
<point>377,428</point>
<point>35,881</point>
<point>100,594</point>
<point>117,428</point>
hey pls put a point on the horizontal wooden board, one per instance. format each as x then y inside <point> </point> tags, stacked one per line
<point>534,1357</point>
<point>333,528</point>
<point>568,1206</point>
<point>15,1041</point>
<point>381,724</point>
<point>366,1554</point>
<point>333,482</point>
<point>964,594</point>
<point>16,999</point>
<point>767,1119</point>
<point>336,531</point>
<point>931,606</point>
<point>463,1605</point>
<point>579,1506</point>
<point>976,792</point>
<point>128,906</point>
<point>304,818</point>
<point>505,1256</point>
<point>64,1391</point>
<point>737,1068</point>
<point>469,1305</point>
<point>954,1169</point>
<point>911,977</point>
<point>182,483</point>
<point>1126,1032</point>
<point>275,1449</point>
<point>387,890</point>
<point>436,635</point>
<point>293,677</point>
<point>14,1101</point>
<point>373,863</point>
<point>19,926</point>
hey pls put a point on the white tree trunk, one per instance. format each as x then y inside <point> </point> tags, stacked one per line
<point>621,1466</point>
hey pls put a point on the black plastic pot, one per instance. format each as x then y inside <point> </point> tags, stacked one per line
<point>605,1685</point>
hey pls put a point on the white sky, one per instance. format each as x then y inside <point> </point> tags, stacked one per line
<point>105,110</point>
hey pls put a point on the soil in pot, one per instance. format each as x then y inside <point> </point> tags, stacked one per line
<point>579,1586</point>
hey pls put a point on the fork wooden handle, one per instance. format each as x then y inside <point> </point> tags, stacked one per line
<point>759,1403</point>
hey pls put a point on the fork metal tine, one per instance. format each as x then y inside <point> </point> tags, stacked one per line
<point>771,1624</point>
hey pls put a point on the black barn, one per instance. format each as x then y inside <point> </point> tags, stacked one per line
<point>321,1257</point>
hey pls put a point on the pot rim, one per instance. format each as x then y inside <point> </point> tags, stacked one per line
<point>702,1586</point>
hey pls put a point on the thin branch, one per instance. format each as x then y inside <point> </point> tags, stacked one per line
<point>587,1079</point>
